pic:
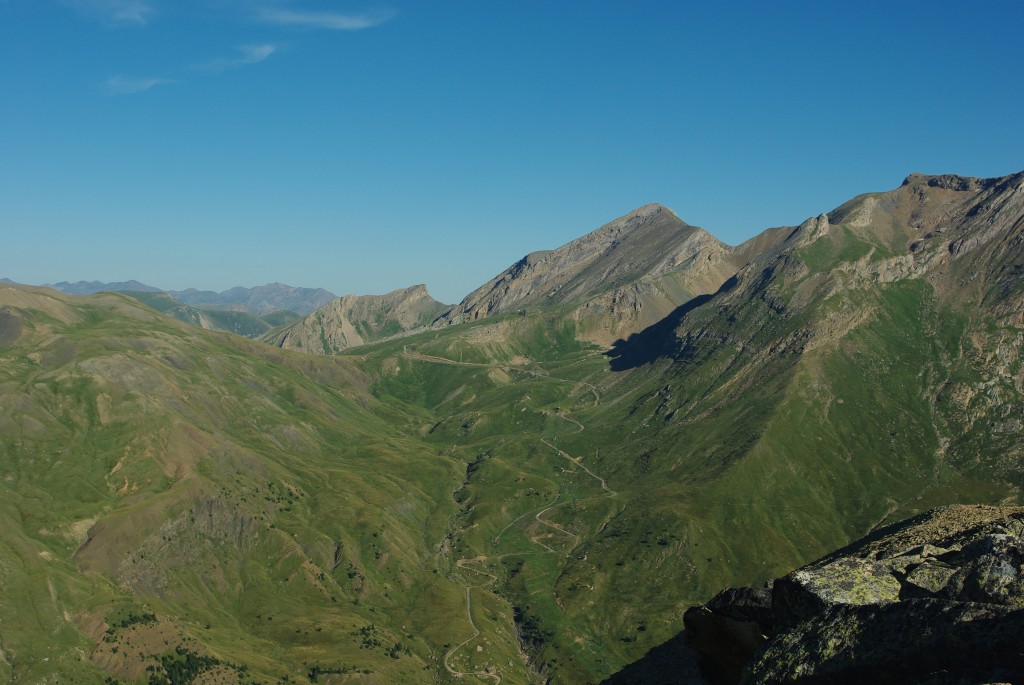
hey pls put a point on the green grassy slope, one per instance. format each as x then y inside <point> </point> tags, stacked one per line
<point>261,505</point>
<point>835,384</point>
<point>720,466</point>
<point>497,501</point>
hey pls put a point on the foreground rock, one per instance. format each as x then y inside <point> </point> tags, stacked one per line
<point>938,598</point>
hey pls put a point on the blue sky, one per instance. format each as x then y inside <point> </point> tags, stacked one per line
<point>363,147</point>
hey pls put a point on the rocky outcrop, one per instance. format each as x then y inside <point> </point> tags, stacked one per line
<point>938,599</point>
<point>358,319</point>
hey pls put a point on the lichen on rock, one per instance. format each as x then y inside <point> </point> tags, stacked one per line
<point>936,599</point>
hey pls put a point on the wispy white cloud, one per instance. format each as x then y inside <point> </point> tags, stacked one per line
<point>338,21</point>
<point>248,54</point>
<point>119,85</point>
<point>116,12</point>
<point>252,54</point>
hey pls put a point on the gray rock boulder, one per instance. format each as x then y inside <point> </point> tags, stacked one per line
<point>992,571</point>
<point>912,641</point>
<point>936,599</point>
<point>809,591</point>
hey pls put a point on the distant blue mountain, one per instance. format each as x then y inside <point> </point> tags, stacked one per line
<point>90,287</point>
<point>258,301</point>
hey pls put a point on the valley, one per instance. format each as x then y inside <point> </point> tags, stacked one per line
<point>530,486</point>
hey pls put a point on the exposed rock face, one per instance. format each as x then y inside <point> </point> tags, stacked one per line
<point>626,275</point>
<point>960,235</point>
<point>938,598</point>
<point>807,592</point>
<point>358,319</point>
<point>914,641</point>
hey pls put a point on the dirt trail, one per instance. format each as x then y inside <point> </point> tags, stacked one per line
<point>461,563</point>
<point>537,514</point>
<point>504,367</point>
<point>579,462</point>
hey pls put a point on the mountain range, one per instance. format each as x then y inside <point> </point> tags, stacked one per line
<point>259,301</point>
<point>249,312</point>
<point>281,314</point>
<point>93,287</point>
<point>530,486</point>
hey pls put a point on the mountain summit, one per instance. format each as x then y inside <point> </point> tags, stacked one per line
<point>623,276</point>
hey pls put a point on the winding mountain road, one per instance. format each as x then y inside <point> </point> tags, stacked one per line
<point>464,564</point>
<point>461,563</point>
<point>579,462</point>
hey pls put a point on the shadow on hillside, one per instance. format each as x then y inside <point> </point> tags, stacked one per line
<point>672,662</point>
<point>658,340</point>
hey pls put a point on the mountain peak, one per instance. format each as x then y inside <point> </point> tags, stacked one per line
<point>650,209</point>
<point>621,269</point>
<point>638,217</point>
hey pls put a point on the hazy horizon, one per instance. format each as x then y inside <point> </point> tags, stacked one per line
<point>362,149</point>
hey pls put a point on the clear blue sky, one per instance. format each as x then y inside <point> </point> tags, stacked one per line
<point>363,147</point>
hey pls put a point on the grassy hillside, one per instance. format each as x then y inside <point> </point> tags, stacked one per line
<point>500,500</point>
<point>250,500</point>
<point>840,380</point>
<point>240,323</point>
<point>598,504</point>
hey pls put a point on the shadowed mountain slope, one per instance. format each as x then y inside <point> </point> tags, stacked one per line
<point>867,367</point>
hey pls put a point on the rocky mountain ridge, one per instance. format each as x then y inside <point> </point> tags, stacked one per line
<point>623,276</point>
<point>354,320</point>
